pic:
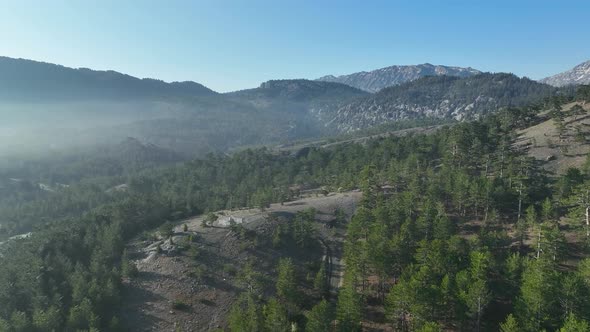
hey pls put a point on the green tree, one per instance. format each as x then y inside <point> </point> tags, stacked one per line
<point>275,317</point>
<point>510,325</point>
<point>167,229</point>
<point>369,187</point>
<point>286,281</point>
<point>319,318</point>
<point>20,322</point>
<point>245,315</point>
<point>574,296</point>
<point>572,324</point>
<point>348,309</point>
<point>82,316</point>
<point>430,327</point>
<point>128,268</point>
<point>250,278</point>
<point>320,283</point>
<point>538,295</point>
<point>47,320</point>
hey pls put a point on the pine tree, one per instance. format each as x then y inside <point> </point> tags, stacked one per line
<point>245,315</point>
<point>320,280</point>
<point>20,322</point>
<point>128,268</point>
<point>510,325</point>
<point>275,317</point>
<point>319,319</point>
<point>348,309</point>
<point>537,295</point>
<point>286,281</point>
<point>430,327</point>
<point>572,324</point>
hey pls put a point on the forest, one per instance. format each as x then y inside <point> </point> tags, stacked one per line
<point>475,235</point>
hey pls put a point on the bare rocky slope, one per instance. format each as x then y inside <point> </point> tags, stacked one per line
<point>559,149</point>
<point>378,79</point>
<point>193,290</point>
<point>580,74</point>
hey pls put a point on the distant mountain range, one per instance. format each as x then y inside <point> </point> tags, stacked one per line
<point>27,80</point>
<point>48,106</point>
<point>378,79</point>
<point>580,74</point>
<point>439,97</point>
<point>52,106</point>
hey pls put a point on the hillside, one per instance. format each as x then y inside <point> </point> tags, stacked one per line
<point>27,80</point>
<point>560,139</point>
<point>378,79</point>
<point>580,74</point>
<point>300,99</point>
<point>435,228</point>
<point>440,97</point>
<point>23,180</point>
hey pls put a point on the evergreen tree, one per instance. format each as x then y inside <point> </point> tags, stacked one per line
<point>572,324</point>
<point>320,280</point>
<point>275,317</point>
<point>286,281</point>
<point>510,325</point>
<point>319,319</point>
<point>349,309</point>
<point>245,315</point>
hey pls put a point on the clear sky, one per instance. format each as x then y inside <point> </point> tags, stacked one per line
<point>230,45</point>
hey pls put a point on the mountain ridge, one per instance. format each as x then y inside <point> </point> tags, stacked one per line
<point>442,97</point>
<point>580,74</point>
<point>378,79</point>
<point>23,79</point>
<point>190,118</point>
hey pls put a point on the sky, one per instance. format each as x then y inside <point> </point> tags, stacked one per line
<point>233,45</point>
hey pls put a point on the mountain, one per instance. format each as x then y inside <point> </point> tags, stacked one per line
<point>299,94</point>
<point>45,106</point>
<point>376,80</point>
<point>441,97</point>
<point>27,80</point>
<point>580,74</point>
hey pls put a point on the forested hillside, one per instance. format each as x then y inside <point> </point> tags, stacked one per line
<point>468,233</point>
<point>439,97</point>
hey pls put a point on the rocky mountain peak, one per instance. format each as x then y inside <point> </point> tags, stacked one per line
<point>580,74</point>
<point>379,79</point>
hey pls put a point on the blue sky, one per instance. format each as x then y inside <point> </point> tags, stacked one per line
<point>230,45</point>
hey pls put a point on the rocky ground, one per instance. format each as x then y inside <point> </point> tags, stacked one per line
<point>558,152</point>
<point>192,290</point>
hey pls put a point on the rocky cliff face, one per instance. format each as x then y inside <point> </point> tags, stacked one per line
<point>580,74</point>
<point>376,80</point>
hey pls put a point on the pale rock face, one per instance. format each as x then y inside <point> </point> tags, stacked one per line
<point>376,80</point>
<point>580,74</point>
